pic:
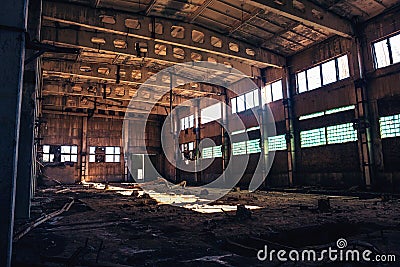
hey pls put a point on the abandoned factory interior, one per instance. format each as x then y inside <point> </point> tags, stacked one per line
<point>199,133</point>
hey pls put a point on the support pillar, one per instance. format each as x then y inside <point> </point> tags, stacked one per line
<point>225,141</point>
<point>12,49</point>
<point>289,135</point>
<point>26,151</point>
<point>362,121</point>
<point>197,141</point>
<point>84,150</point>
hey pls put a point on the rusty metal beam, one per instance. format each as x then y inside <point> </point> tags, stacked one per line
<point>308,13</point>
<point>150,7</point>
<point>91,19</point>
<point>200,10</point>
<point>82,40</point>
<point>245,21</point>
<point>84,71</point>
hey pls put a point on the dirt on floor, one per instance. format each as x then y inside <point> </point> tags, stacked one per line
<point>106,228</point>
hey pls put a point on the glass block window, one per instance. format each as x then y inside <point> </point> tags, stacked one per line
<point>211,113</point>
<point>277,142</point>
<point>246,101</point>
<point>314,137</point>
<point>239,148</point>
<point>217,151</point>
<point>211,152</point>
<point>390,126</point>
<point>56,153</point>
<point>328,72</point>
<point>272,92</point>
<point>253,146</point>
<point>342,133</point>
<point>387,52</point>
<point>187,122</point>
<point>207,153</point>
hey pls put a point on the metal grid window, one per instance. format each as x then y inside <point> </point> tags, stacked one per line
<point>211,152</point>
<point>386,52</point>
<point>342,133</point>
<point>390,126</point>
<point>239,148</point>
<point>253,146</point>
<point>277,142</point>
<point>326,73</point>
<point>56,153</point>
<point>207,153</point>
<point>113,154</point>
<point>104,154</point>
<point>217,151</point>
<point>246,147</point>
<point>314,137</point>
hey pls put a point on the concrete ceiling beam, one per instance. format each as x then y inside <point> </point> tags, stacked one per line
<point>141,28</point>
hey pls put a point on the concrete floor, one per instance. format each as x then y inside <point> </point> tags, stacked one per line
<point>136,231</point>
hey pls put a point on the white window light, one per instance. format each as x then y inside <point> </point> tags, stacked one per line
<point>211,113</point>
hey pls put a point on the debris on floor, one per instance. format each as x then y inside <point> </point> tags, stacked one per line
<point>106,228</point>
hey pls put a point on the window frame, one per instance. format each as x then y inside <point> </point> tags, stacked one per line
<point>389,47</point>
<point>321,76</point>
<point>104,156</point>
<point>61,153</point>
<point>255,94</point>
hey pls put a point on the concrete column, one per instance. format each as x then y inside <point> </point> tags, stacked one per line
<point>27,155</point>
<point>197,141</point>
<point>263,137</point>
<point>84,150</point>
<point>288,109</point>
<point>12,48</point>
<point>362,122</point>
<point>225,141</point>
